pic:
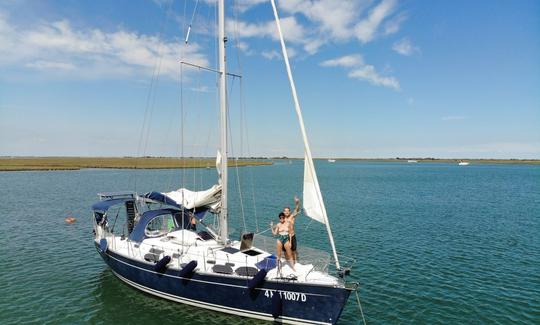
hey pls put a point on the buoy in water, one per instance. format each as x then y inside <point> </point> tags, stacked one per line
<point>70,219</point>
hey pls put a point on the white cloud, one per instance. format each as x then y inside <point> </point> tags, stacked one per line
<point>244,47</point>
<point>328,21</point>
<point>311,46</point>
<point>368,72</point>
<point>244,5</point>
<point>201,89</point>
<point>162,3</point>
<point>271,55</point>
<point>358,69</point>
<point>366,29</point>
<point>346,61</point>
<point>292,31</point>
<point>405,47</point>
<point>46,65</point>
<point>393,25</point>
<point>332,17</point>
<point>57,46</point>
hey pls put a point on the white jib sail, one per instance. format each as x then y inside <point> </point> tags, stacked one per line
<point>313,205</point>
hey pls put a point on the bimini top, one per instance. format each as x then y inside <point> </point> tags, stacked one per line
<point>103,206</point>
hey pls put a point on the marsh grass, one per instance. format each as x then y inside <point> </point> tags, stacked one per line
<point>74,163</point>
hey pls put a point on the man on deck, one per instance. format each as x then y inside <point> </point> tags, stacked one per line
<point>291,218</point>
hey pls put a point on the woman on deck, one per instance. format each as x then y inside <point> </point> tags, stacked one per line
<point>282,231</point>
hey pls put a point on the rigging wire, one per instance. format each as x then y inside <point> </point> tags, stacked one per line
<point>199,163</point>
<point>182,180</point>
<point>250,170</point>
<point>182,139</point>
<point>150,98</point>
<point>197,122</point>
<point>191,22</point>
<point>243,124</point>
<point>360,306</point>
<point>205,149</point>
<point>237,173</point>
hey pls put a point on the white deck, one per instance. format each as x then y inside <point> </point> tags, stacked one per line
<point>184,246</point>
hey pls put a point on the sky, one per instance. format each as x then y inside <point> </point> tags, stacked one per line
<point>375,78</point>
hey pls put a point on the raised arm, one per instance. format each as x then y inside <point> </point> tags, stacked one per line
<point>296,207</point>
<point>274,228</point>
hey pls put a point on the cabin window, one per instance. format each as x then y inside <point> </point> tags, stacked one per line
<point>160,225</point>
<point>186,217</point>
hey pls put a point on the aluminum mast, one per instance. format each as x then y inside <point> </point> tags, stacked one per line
<point>223,232</point>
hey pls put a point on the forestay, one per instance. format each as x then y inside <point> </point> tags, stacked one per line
<point>311,185</point>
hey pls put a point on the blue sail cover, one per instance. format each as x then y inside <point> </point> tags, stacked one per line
<point>199,213</point>
<point>103,206</point>
<point>208,199</point>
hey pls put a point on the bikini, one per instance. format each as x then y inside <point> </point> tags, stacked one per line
<point>283,237</point>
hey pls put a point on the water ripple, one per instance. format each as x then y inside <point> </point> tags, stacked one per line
<point>435,244</point>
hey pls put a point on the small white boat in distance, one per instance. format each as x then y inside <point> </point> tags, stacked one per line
<point>463,163</point>
<point>331,160</point>
<point>412,161</point>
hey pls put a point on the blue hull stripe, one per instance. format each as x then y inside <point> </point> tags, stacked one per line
<point>302,303</point>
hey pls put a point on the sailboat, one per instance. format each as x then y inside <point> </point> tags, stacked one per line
<point>170,252</point>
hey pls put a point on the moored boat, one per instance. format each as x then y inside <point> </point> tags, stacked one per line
<point>168,248</point>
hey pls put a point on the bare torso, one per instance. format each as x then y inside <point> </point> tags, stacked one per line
<point>290,221</point>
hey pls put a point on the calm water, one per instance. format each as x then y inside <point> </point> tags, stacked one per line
<point>434,243</point>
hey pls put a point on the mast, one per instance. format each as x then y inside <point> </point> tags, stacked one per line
<point>223,232</point>
<point>307,150</point>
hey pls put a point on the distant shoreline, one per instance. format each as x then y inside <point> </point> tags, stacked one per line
<point>446,160</point>
<point>429,160</point>
<point>76,163</point>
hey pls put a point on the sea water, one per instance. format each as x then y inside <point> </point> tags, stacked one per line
<point>434,243</point>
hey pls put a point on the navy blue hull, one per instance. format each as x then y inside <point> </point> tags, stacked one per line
<point>297,303</point>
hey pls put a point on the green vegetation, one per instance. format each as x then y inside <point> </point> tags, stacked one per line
<point>74,163</point>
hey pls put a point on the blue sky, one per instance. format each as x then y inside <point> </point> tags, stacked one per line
<point>447,79</point>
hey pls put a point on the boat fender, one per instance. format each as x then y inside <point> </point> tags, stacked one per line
<point>257,279</point>
<point>188,268</point>
<point>161,265</point>
<point>277,305</point>
<point>103,245</point>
